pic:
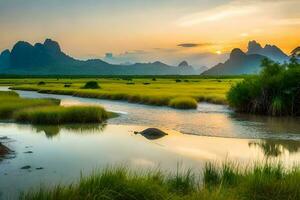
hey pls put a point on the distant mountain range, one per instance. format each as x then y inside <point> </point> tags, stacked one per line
<point>48,59</point>
<point>240,62</point>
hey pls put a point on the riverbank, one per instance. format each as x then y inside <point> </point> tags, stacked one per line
<point>226,181</point>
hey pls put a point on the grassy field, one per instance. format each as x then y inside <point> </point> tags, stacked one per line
<point>225,182</point>
<point>47,111</point>
<point>153,91</point>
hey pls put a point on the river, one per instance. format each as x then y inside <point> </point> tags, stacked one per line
<point>58,154</point>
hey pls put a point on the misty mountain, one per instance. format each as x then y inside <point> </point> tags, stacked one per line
<point>48,58</point>
<point>270,51</point>
<point>238,63</point>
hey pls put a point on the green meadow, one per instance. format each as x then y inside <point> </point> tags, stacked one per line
<point>176,92</point>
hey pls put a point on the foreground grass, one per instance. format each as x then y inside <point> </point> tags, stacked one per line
<point>47,111</point>
<point>153,91</point>
<point>260,182</point>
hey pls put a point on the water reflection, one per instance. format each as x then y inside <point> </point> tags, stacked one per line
<point>271,125</point>
<point>276,148</point>
<point>53,130</point>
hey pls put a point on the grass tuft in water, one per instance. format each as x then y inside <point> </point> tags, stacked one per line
<point>183,103</point>
<point>61,115</point>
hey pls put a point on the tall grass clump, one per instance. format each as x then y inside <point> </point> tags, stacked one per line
<point>218,182</point>
<point>62,115</point>
<point>275,91</point>
<point>91,85</point>
<point>183,103</point>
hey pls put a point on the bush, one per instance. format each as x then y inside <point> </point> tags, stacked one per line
<point>41,83</point>
<point>183,103</point>
<point>62,115</point>
<point>91,85</point>
<point>275,91</point>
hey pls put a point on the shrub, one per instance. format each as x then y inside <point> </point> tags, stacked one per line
<point>183,103</point>
<point>275,91</point>
<point>91,85</point>
<point>177,80</point>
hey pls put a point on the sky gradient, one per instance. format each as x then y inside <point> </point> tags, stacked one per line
<point>147,30</point>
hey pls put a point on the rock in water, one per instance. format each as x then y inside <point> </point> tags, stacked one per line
<point>4,151</point>
<point>153,133</point>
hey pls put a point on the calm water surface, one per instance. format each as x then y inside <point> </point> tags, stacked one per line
<point>58,154</point>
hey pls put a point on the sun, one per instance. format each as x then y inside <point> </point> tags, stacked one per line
<point>219,52</point>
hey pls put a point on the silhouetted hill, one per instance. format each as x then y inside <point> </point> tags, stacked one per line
<point>48,58</point>
<point>270,51</point>
<point>296,52</point>
<point>238,63</point>
<point>249,62</point>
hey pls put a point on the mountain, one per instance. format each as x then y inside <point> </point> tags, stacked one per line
<point>296,52</point>
<point>238,63</point>
<point>47,58</point>
<point>270,51</point>
<point>5,58</point>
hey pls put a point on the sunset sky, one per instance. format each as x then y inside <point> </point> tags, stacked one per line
<point>148,30</point>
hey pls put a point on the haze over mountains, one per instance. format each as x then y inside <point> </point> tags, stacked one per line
<point>248,62</point>
<point>47,59</point>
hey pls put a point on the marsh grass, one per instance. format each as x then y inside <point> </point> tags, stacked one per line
<point>10,102</point>
<point>183,103</point>
<point>159,92</point>
<point>220,182</point>
<point>47,111</point>
<point>61,115</point>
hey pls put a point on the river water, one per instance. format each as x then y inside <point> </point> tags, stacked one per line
<point>58,154</point>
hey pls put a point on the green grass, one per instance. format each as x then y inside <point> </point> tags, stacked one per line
<point>183,103</point>
<point>47,111</point>
<point>225,182</point>
<point>62,115</point>
<point>10,102</point>
<point>159,92</point>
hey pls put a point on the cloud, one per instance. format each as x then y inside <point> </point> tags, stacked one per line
<point>192,45</point>
<point>247,10</point>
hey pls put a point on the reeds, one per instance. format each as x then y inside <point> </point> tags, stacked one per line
<point>226,182</point>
